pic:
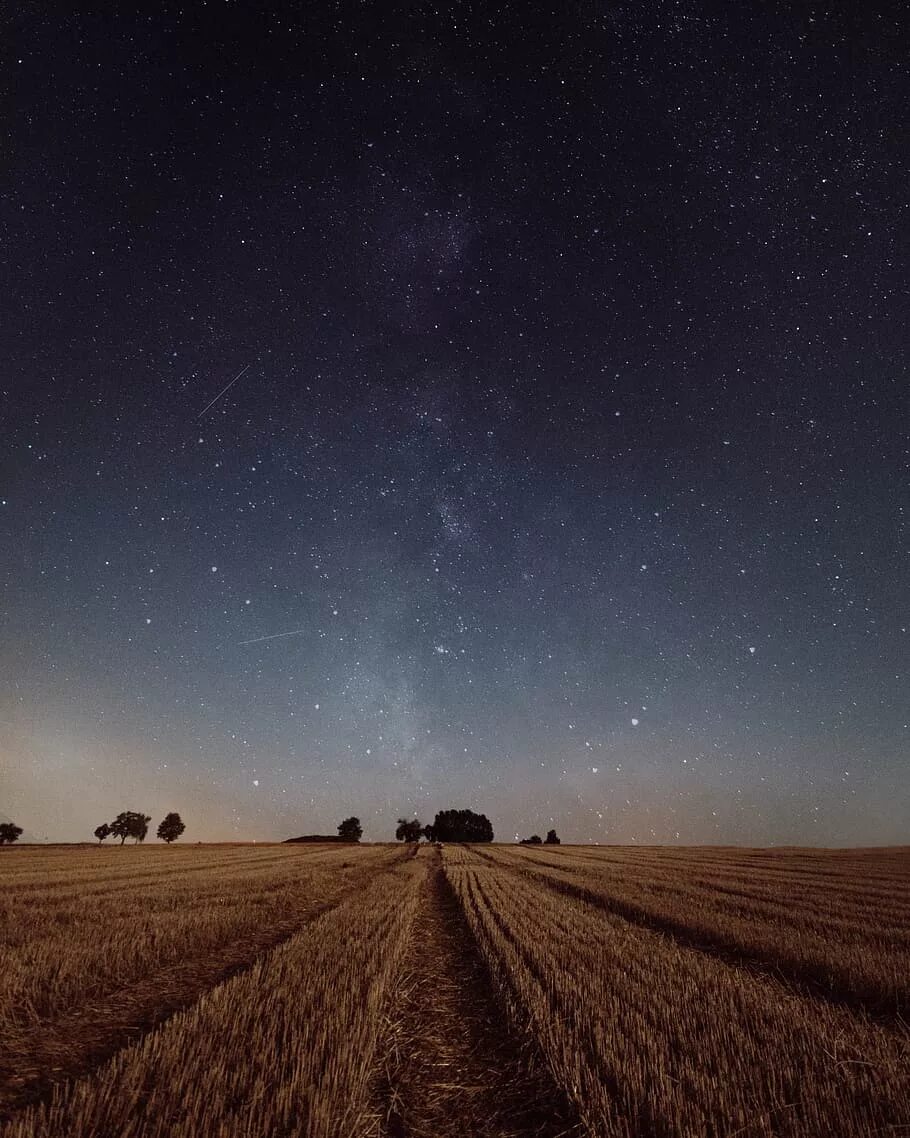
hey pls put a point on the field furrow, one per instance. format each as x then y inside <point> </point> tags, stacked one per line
<point>658,1039</point>
<point>106,868</point>
<point>64,949</point>
<point>851,957</point>
<point>853,893</point>
<point>878,876</point>
<point>450,1066</point>
<point>73,1003</point>
<point>284,1048</point>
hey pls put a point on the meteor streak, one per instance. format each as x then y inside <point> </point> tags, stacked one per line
<point>224,390</point>
<point>274,636</point>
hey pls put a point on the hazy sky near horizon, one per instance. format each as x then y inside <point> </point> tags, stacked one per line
<point>500,408</point>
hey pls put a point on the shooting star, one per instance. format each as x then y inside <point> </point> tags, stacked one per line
<point>224,390</point>
<point>274,636</point>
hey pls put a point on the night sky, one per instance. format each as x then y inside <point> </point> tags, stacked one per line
<point>563,470</point>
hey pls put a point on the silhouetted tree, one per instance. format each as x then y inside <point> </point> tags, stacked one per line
<point>121,825</point>
<point>551,839</point>
<point>171,828</point>
<point>534,840</point>
<point>462,826</point>
<point>408,831</point>
<point>350,830</point>
<point>130,824</point>
<point>103,831</point>
<point>429,833</point>
<point>9,833</point>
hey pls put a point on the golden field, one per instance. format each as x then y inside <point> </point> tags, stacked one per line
<point>270,990</point>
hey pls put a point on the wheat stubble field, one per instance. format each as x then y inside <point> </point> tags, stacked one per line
<point>389,992</point>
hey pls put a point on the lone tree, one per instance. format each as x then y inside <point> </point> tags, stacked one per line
<point>9,832</point>
<point>350,830</point>
<point>171,828</point>
<point>534,840</point>
<point>408,831</point>
<point>461,826</point>
<point>103,831</point>
<point>552,839</point>
<point>130,824</point>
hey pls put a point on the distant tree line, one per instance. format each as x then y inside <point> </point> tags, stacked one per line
<point>535,840</point>
<point>127,824</point>
<point>448,826</point>
<point>132,824</point>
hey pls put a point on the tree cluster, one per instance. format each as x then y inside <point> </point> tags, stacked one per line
<point>132,824</point>
<point>459,826</point>
<point>535,840</point>
<point>448,826</point>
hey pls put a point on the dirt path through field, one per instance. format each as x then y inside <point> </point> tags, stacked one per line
<point>450,1065</point>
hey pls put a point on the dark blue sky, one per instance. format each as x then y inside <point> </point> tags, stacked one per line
<point>567,477</point>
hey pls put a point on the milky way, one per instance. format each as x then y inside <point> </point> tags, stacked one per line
<point>490,407</point>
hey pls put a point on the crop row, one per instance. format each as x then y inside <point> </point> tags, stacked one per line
<point>39,872</point>
<point>285,1048</point>
<point>874,880</point>
<point>858,953</point>
<point>650,1037</point>
<point>71,953</point>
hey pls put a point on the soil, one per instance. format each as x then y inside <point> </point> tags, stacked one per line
<point>451,1064</point>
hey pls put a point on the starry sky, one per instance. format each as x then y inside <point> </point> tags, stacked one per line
<point>411,407</point>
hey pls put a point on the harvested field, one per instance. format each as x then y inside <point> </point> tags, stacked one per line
<point>658,1037</point>
<point>838,923</point>
<point>99,945</point>
<point>487,990</point>
<point>450,1067</point>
